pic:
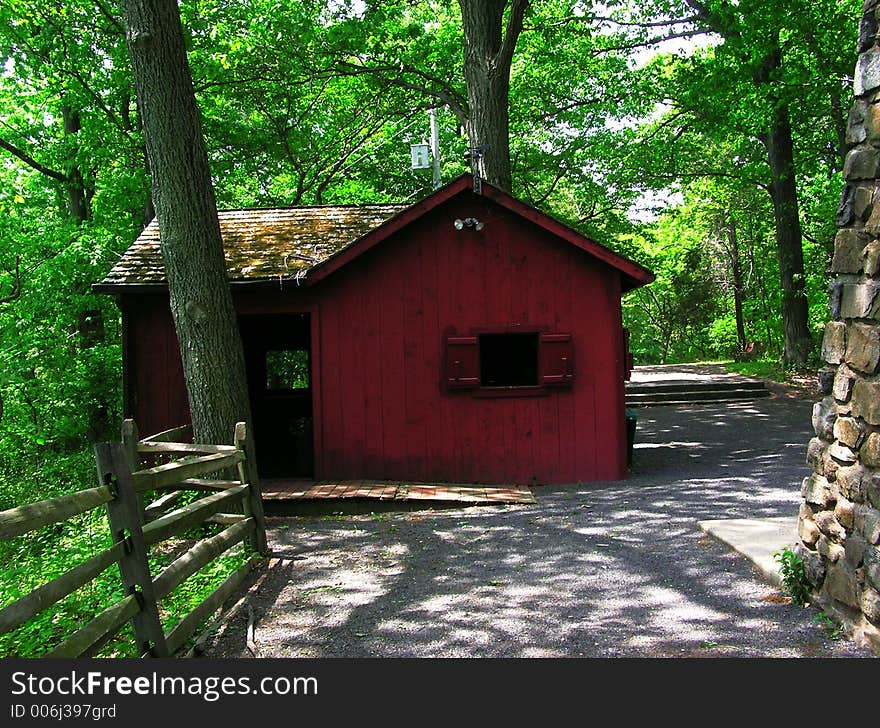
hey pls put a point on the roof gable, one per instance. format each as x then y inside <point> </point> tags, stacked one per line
<point>632,274</point>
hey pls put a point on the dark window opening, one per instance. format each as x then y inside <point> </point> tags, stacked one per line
<point>509,360</point>
<point>286,370</point>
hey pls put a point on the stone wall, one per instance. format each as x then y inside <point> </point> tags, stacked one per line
<point>839,524</point>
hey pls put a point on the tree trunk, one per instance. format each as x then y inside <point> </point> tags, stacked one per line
<point>783,190</point>
<point>201,302</point>
<point>789,238</point>
<point>149,210</point>
<point>488,52</point>
<point>77,199</point>
<point>736,272</point>
<point>789,246</point>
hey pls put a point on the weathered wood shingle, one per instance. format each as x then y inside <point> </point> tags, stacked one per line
<point>262,243</point>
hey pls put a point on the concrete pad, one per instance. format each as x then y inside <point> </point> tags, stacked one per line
<point>757,539</point>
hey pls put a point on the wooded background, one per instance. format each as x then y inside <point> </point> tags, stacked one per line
<point>702,139</point>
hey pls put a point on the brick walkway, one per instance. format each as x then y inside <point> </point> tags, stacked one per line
<point>297,490</point>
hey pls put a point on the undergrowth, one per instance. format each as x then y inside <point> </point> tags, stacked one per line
<point>794,578</point>
<point>767,369</point>
<point>35,558</point>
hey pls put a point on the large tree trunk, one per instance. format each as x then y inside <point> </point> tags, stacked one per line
<point>201,302</point>
<point>783,189</point>
<point>488,52</point>
<point>149,209</point>
<point>789,246</point>
<point>789,238</point>
<point>738,288</point>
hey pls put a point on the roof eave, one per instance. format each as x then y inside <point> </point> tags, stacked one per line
<point>118,288</point>
<point>632,274</point>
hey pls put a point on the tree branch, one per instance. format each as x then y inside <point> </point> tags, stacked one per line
<point>113,20</point>
<point>16,284</point>
<point>511,33</point>
<point>711,19</point>
<point>655,41</point>
<point>33,163</point>
<point>643,24</point>
<point>445,93</point>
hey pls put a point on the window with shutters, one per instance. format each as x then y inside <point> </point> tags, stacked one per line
<point>499,362</point>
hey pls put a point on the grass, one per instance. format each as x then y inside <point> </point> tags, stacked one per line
<point>760,368</point>
<point>35,558</point>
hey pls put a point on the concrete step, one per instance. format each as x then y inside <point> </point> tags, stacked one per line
<point>694,397</point>
<point>684,402</point>
<point>713,386</point>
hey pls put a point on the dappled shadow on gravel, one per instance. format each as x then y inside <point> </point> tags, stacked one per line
<point>597,570</point>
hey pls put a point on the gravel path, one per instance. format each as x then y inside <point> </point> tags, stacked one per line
<point>599,570</point>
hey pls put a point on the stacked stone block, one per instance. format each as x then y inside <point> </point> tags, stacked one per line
<point>839,524</point>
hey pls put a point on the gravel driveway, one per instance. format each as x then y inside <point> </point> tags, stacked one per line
<point>597,570</point>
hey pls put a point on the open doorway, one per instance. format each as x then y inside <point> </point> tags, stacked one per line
<point>278,358</point>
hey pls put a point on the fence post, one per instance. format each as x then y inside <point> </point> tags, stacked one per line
<point>130,443</point>
<point>130,437</point>
<point>248,473</point>
<point>126,524</point>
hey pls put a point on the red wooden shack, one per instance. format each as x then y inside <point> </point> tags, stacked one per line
<point>465,338</point>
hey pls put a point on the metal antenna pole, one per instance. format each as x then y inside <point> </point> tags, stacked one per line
<point>435,146</point>
<point>475,155</point>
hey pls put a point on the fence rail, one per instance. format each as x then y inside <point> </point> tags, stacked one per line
<point>136,526</point>
<point>18,521</point>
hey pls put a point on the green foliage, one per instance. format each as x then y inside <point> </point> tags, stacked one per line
<point>794,579</point>
<point>317,102</point>
<point>59,346</point>
<point>761,368</point>
<point>710,139</point>
<point>722,334</point>
<point>832,628</point>
<point>287,370</point>
<point>671,319</point>
<point>33,559</point>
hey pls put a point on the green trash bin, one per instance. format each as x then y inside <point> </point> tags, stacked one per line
<point>632,417</point>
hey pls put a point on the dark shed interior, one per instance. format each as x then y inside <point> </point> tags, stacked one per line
<point>277,350</point>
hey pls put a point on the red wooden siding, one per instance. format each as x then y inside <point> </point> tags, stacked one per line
<point>381,400</point>
<point>155,392</point>
<point>386,410</point>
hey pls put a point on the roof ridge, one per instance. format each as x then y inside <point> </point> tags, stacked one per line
<point>313,207</point>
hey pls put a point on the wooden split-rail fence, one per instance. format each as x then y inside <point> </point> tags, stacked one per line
<point>234,501</point>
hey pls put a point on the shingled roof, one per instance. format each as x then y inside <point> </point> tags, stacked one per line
<point>295,242</point>
<point>261,243</point>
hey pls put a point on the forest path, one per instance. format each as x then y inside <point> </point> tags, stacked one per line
<point>596,570</point>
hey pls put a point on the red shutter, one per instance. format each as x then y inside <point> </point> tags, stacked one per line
<point>462,362</point>
<point>557,360</point>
